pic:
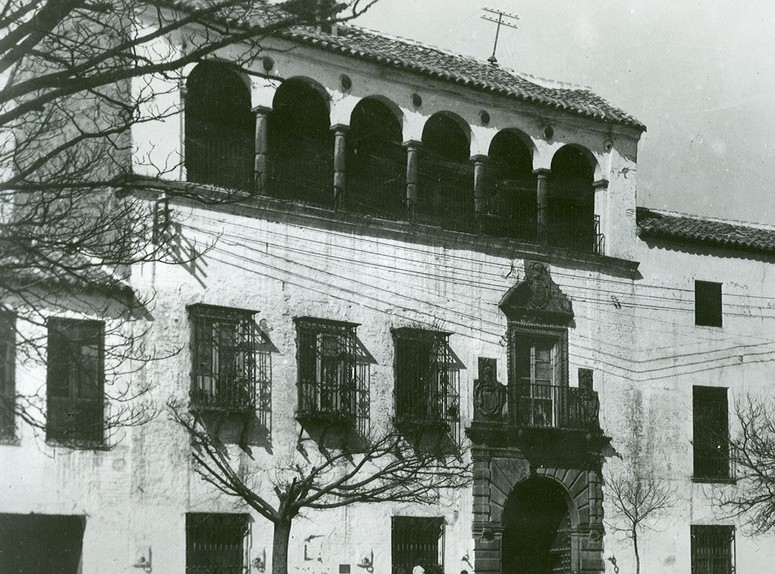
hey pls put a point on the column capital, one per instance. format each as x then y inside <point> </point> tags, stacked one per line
<point>542,172</point>
<point>412,144</point>
<point>339,128</point>
<point>479,158</point>
<point>261,110</point>
<point>600,184</point>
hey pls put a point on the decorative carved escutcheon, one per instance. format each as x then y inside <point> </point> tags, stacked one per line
<point>489,394</point>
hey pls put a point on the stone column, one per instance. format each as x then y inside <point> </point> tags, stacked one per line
<point>261,163</point>
<point>480,162</point>
<point>542,202</point>
<point>340,152</point>
<point>412,176</point>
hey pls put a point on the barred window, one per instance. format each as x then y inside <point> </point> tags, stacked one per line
<point>75,380</point>
<point>711,433</point>
<point>230,366</point>
<point>713,549</point>
<point>7,374</point>
<point>417,541</point>
<point>216,543</point>
<point>427,378</point>
<point>332,380</point>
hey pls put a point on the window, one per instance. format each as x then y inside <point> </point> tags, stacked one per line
<point>41,543</point>
<point>711,433</point>
<point>427,378</point>
<point>713,549</point>
<point>216,543</point>
<point>7,374</point>
<point>332,381</point>
<point>540,376</point>
<point>226,371</point>
<point>707,304</point>
<point>75,380</point>
<point>417,541</point>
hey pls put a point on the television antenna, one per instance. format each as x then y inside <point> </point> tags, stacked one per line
<point>490,17</point>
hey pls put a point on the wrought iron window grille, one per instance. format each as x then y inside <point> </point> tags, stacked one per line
<point>333,374</point>
<point>417,540</point>
<point>217,543</point>
<point>231,360</point>
<point>427,381</point>
<point>713,549</point>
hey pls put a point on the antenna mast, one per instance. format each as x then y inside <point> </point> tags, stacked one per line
<point>500,22</point>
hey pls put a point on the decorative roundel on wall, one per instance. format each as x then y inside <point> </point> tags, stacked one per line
<point>345,82</point>
<point>416,100</point>
<point>268,63</point>
<point>484,117</point>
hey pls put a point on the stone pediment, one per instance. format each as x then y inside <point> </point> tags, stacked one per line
<point>537,298</point>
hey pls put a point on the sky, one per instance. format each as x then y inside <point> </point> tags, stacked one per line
<point>699,74</point>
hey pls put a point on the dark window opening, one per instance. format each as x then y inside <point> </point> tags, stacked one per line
<point>713,549</point>
<point>7,374</point>
<point>446,179</point>
<point>707,304</point>
<point>427,380</point>
<point>39,543</point>
<point>75,380</point>
<point>219,128</point>
<point>509,205</point>
<point>301,145</point>
<point>417,541</point>
<point>216,543</point>
<point>711,433</point>
<point>332,375</point>
<point>570,217</point>
<point>376,162</point>
<point>231,369</point>
<point>539,393</point>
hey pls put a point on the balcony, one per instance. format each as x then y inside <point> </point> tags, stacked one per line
<point>223,159</point>
<point>553,407</point>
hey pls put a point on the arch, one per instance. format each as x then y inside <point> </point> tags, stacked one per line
<point>445,174</point>
<point>537,522</point>
<point>219,127</point>
<point>300,143</point>
<point>570,217</point>
<point>376,160</point>
<point>509,206</point>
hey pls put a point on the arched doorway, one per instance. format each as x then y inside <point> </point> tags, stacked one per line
<point>536,534</point>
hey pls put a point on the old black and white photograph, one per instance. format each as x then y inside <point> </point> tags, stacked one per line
<point>387,287</point>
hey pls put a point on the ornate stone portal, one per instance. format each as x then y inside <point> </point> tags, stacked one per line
<point>509,461</point>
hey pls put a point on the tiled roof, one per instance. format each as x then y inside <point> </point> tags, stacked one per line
<point>462,70</point>
<point>681,228</point>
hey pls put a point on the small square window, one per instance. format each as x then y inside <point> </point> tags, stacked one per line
<point>216,543</point>
<point>707,304</point>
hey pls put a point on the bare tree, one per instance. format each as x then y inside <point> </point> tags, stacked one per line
<point>75,77</point>
<point>638,500</point>
<point>386,469</point>
<point>752,500</point>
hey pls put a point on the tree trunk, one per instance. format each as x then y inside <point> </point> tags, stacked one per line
<point>282,534</point>
<point>637,554</point>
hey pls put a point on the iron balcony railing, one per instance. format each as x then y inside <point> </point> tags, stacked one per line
<point>552,406</point>
<point>222,159</point>
<point>575,230</point>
